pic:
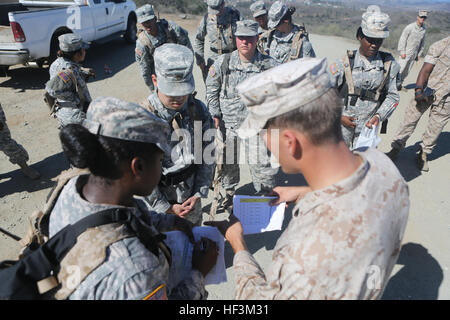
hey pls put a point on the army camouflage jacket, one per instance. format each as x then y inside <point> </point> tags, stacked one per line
<point>144,53</point>
<point>181,158</point>
<point>213,26</point>
<point>221,95</point>
<point>61,86</point>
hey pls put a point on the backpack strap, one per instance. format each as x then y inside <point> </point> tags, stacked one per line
<point>349,61</point>
<point>387,63</point>
<point>297,44</point>
<point>266,37</point>
<point>38,230</point>
<point>146,41</point>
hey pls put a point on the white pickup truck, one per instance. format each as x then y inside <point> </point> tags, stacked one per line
<point>29,30</point>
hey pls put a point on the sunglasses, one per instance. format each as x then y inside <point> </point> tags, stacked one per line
<point>423,18</point>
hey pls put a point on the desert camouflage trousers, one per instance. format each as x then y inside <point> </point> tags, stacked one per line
<point>405,66</point>
<point>14,151</point>
<point>255,155</point>
<point>439,115</point>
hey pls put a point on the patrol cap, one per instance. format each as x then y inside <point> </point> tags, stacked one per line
<point>258,8</point>
<point>246,28</point>
<point>375,23</point>
<point>173,68</point>
<point>114,118</point>
<point>423,13</point>
<point>281,89</point>
<point>276,13</point>
<point>214,6</point>
<point>71,42</point>
<point>145,13</point>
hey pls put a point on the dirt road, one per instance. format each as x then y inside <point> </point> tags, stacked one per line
<point>422,270</point>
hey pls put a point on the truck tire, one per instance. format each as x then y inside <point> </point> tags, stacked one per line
<point>131,32</point>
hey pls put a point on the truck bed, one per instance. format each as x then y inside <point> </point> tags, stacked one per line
<point>6,34</point>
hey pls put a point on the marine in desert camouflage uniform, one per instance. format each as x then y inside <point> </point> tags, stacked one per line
<point>411,44</point>
<point>432,92</point>
<point>345,235</point>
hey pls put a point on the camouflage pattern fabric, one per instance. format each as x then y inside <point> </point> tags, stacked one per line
<point>225,103</point>
<point>180,158</point>
<point>411,43</point>
<point>144,53</point>
<point>129,271</point>
<point>366,75</point>
<point>209,28</point>
<point>14,151</point>
<point>340,244</point>
<point>439,105</point>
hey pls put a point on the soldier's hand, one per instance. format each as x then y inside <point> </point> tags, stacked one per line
<point>178,209</point>
<point>202,66</point>
<point>288,194</point>
<point>373,122</point>
<point>216,122</point>
<point>205,254</point>
<point>190,203</point>
<point>403,56</point>
<point>232,231</point>
<point>420,96</point>
<point>348,122</point>
<point>184,226</point>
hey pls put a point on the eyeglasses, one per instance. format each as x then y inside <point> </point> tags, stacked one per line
<point>424,18</point>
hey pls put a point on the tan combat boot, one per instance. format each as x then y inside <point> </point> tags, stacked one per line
<point>29,172</point>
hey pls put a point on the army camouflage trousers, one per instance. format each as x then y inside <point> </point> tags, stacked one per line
<point>439,115</point>
<point>14,151</point>
<point>257,157</point>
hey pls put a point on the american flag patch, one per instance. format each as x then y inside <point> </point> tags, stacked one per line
<point>138,52</point>
<point>333,69</point>
<point>64,76</point>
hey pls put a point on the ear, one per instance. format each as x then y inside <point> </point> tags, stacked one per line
<point>292,144</point>
<point>137,167</point>
<point>154,80</point>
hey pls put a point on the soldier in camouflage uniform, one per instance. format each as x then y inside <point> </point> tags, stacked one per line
<point>432,92</point>
<point>68,79</point>
<point>371,94</point>
<point>259,12</point>
<point>347,226</point>
<point>155,33</point>
<point>219,25</point>
<point>285,41</point>
<point>185,178</point>
<point>122,146</point>
<point>14,151</point>
<point>411,44</point>
<point>225,105</point>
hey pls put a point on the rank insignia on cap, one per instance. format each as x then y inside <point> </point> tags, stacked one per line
<point>64,76</point>
<point>212,71</point>
<point>138,52</point>
<point>333,69</point>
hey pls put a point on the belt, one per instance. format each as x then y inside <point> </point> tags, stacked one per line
<point>175,178</point>
<point>223,51</point>
<point>364,94</point>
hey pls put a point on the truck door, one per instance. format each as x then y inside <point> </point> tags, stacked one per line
<point>117,21</point>
<point>100,11</point>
